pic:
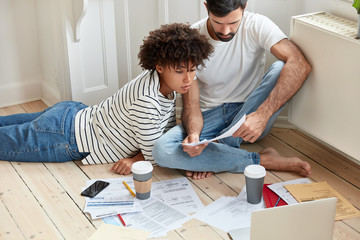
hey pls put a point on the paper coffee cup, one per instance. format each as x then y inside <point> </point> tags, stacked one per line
<point>142,175</point>
<point>254,176</point>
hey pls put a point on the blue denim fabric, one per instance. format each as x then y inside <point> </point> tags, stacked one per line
<point>225,155</point>
<point>46,136</point>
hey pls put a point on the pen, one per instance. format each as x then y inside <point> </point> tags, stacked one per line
<point>277,202</point>
<point>127,186</point>
<point>122,220</point>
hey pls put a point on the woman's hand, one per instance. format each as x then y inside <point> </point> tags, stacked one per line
<point>193,150</point>
<point>123,166</point>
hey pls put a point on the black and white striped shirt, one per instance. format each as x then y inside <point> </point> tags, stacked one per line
<point>125,123</point>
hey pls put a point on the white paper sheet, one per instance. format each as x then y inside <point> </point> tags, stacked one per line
<point>228,133</point>
<point>177,193</point>
<point>156,217</point>
<point>228,213</point>
<point>282,192</point>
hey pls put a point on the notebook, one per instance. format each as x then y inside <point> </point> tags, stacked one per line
<point>312,220</point>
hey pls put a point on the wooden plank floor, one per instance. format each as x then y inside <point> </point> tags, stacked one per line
<point>42,200</point>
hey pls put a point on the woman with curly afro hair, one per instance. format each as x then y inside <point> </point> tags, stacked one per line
<point>121,129</point>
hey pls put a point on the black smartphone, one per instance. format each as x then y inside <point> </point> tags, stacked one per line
<point>94,188</point>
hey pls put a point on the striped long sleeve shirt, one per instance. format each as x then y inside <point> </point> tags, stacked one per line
<point>126,123</point>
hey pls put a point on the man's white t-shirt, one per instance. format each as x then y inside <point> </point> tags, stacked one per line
<point>236,67</point>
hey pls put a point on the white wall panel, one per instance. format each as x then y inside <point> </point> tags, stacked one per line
<point>186,11</point>
<point>93,59</point>
<point>134,21</point>
<point>93,53</point>
<point>143,17</point>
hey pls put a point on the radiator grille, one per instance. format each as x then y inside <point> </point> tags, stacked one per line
<point>332,23</point>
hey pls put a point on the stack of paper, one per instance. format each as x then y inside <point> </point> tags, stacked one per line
<point>166,210</point>
<point>157,217</point>
<point>228,213</point>
<point>279,189</point>
<point>177,193</point>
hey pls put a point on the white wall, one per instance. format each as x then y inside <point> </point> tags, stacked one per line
<point>280,11</point>
<point>31,59</point>
<point>28,63</point>
<point>136,18</point>
<point>46,20</point>
<point>20,72</point>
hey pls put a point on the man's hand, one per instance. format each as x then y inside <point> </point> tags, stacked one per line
<point>193,150</point>
<point>252,128</point>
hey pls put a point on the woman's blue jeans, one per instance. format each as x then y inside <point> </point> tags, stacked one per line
<point>225,155</point>
<point>46,136</point>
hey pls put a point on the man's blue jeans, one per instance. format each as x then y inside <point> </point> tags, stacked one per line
<point>225,155</point>
<point>46,136</point>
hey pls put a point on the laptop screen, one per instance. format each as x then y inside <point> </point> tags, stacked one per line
<point>312,220</point>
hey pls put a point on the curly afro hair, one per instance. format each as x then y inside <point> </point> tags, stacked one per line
<point>174,45</point>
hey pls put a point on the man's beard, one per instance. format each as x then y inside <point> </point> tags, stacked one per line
<point>227,39</point>
<point>220,35</point>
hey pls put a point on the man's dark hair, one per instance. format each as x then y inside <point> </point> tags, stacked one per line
<point>221,8</point>
<point>174,45</point>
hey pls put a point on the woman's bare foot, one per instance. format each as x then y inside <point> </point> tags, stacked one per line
<point>272,160</point>
<point>199,175</point>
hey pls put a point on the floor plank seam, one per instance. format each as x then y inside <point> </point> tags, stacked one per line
<point>328,149</point>
<point>191,180</point>
<point>315,161</point>
<point>78,163</point>
<point>350,226</point>
<point>37,200</point>
<point>12,217</point>
<point>227,185</point>
<point>69,195</point>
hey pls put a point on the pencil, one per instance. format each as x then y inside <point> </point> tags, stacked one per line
<point>277,202</point>
<point>122,220</point>
<point>127,186</point>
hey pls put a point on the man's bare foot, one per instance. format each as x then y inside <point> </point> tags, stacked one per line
<point>199,175</point>
<point>272,160</point>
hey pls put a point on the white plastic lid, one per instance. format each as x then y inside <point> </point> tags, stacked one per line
<point>255,171</point>
<point>141,167</point>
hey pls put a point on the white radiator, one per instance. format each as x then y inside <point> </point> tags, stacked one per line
<point>328,105</point>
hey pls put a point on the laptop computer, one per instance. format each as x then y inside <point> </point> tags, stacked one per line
<point>312,220</point>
